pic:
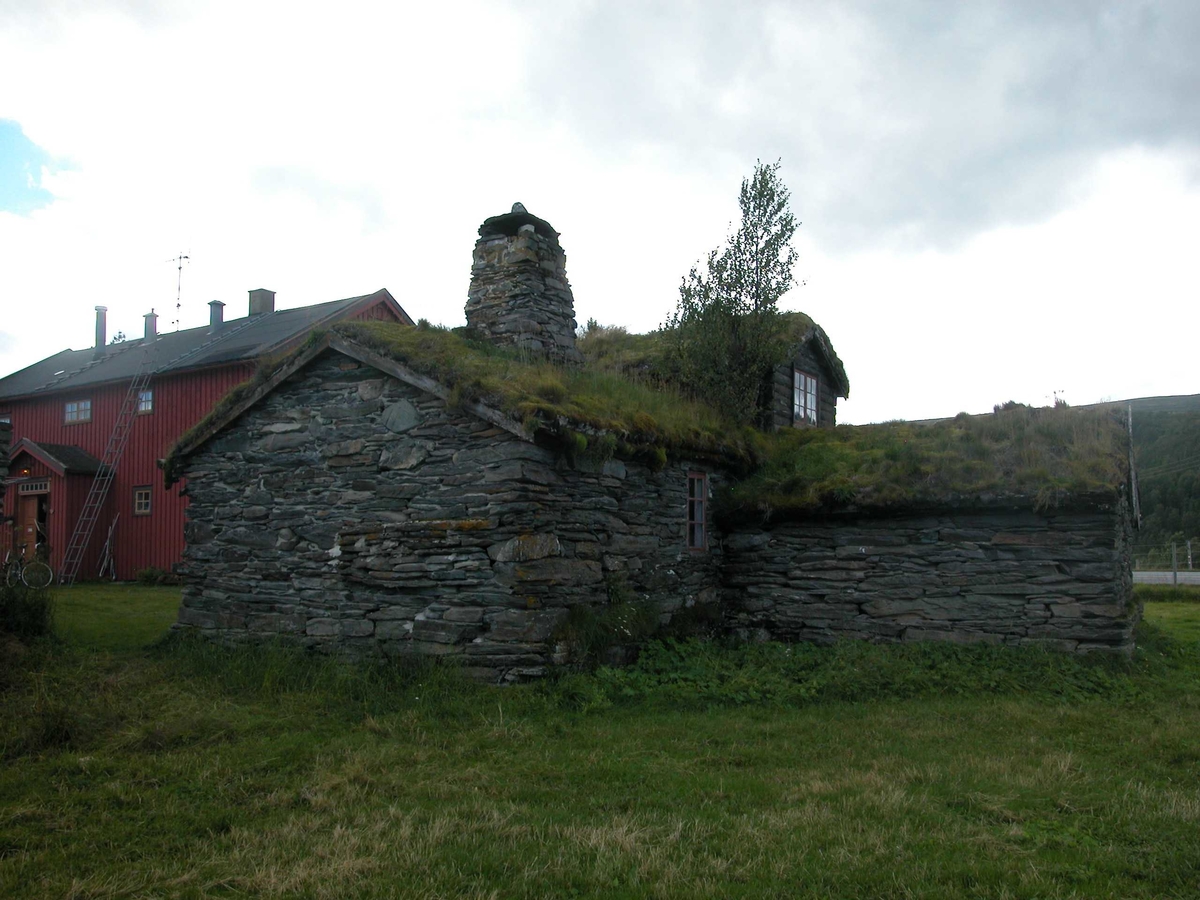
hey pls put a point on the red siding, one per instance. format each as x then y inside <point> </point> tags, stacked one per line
<point>180,401</point>
<point>380,312</point>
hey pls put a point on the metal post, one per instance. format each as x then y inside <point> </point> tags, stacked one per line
<point>1174,564</point>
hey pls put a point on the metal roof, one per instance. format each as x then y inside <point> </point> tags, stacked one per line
<point>237,340</point>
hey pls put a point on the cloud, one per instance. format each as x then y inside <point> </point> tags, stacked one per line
<point>22,166</point>
<point>322,193</point>
<point>917,123</point>
<point>944,159</point>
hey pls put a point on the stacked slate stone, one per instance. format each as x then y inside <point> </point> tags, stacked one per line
<point>519,295</point>
<point>1007,576</point>
<point>349,511</point>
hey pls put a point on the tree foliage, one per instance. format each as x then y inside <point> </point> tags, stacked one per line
<point>1168,477</point>
<point>727,332</point>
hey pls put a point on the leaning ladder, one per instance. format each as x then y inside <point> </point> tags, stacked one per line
<point>98,492</point>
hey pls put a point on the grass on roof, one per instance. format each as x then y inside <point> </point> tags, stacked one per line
<point>1041,455</point>
<point>1045,455</point>
<point>641,412</point>
<point>612,348</point>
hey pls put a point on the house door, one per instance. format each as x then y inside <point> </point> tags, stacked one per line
<point>27,530</point>
<point>31,522</point>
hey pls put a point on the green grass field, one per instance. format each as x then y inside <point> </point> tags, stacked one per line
<point>114,616</point>
<point>184,771</point>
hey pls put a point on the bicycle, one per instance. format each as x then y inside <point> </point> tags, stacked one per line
<point>33,574</point>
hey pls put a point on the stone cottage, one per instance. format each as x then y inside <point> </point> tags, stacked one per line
<point>379,491</point>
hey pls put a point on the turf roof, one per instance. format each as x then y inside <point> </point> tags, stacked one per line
<point>545,397</point>
<point>647,355</point>
<point>1030,457</point>
<point>1043,458</point>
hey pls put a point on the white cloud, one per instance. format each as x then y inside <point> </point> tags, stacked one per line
<point>325,155</point>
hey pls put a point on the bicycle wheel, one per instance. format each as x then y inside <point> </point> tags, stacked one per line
<point>37,575</point>
<point>12,575</point>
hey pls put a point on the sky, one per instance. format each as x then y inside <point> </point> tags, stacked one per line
<point>1000,200</point>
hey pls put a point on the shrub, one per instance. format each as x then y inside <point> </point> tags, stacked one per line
<point>26,612</point>
<point>152,575</point>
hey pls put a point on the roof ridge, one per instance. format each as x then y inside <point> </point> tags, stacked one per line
<point>208,345</point>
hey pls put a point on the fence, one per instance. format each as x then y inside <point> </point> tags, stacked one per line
<point>1171,562</point>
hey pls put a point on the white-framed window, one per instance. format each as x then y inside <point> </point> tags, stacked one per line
<point>76,411</point>
<point>141,500</point>
<point>697,507</point>
<point>5,418</point>
<point>804,397</point>
<point>145,402</point>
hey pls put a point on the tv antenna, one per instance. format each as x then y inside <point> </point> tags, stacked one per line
<point>179,261</point>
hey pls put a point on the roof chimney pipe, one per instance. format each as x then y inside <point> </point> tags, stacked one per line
<point>216,316</point>
<point>101,327</point>
<point>151,327</point>
<point>261,301</point>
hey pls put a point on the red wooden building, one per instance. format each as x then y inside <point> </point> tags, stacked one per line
<point>63,411</point>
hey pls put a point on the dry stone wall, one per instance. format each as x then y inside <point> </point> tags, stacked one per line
<point>350,510</point>
<point>519,295</point>
<point>1012,577</point>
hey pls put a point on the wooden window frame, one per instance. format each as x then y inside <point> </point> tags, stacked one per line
<point>139,510</point>
<point>148,394</point>
<point>697,512</point>
<point>806,392</point>
<point>78,419</point>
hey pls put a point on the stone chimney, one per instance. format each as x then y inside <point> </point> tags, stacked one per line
<point>101,327</point>
<point>216,316</point>
<point>519,295</point>
<point>151,327</point>
<point>261,301</point>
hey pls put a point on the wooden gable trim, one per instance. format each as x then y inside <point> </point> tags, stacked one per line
<point>390,302</point>
<point>381,296</point>
<point>25,445</point>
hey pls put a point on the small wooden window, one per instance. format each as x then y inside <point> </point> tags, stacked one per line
<point>76,411</point>
<point>804,397</point>
<point>5,418</point>
<point>697,504</point>
<point>141,501</point>
<point>145,402</point>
